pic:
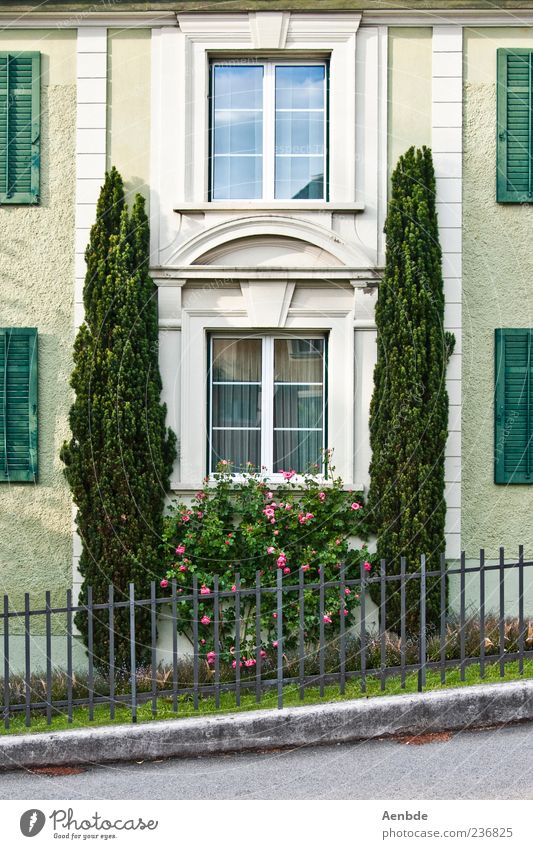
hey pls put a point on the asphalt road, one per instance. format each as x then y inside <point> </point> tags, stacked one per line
<point>472,765</point>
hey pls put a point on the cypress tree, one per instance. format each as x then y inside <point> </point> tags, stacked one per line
<point>120,455</point>
<point>409,407</point>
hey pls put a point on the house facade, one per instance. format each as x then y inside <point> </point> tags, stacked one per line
<point>263,137</point>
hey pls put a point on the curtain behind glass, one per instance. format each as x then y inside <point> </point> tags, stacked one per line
<point>236,402</point>
<point>298,403</point>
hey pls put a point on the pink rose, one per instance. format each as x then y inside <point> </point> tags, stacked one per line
<point>282,560</point>
<point>356,506</point>
<point>271,549</point>
<point>274,644</point>
<point>337,542</point>
<point>367,566</point>
<point>204,590</point>
<point>250,662</point>
<point>287,475</point>
<point>305,567</point>
<point>286,571</point>
<point>234,589</point>
<point>263,653</point>
<point>200,514</point>
<point>345,612</point>
<point>164,584</point>
<point>347,591</point>
<point>202,642</point>
<point>274,616</point>
<point>276,533</point>
<point>270,495</point>
<point>322,496</point>
<point>185,517</point>
<point>180,549</point>
<point>327,619</point>
<point>182,568</point>
<point>211,657</point>
<point>205,620</point>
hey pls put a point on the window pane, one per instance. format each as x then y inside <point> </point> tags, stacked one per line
<point>299,177</point>
<point>237,446</point>
<point>238,86</point>
<point>237,129</point>
<point>236,360</point>
<point>298,406</point>
<point>239,177</point>
<point>238,132</point>
<point>297,450</point>
<point>300,133</point>
<point>236,405</point>
<point>300,87</point>
<point>298,360</point>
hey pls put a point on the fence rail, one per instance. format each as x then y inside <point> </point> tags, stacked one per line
<point>349,656</point>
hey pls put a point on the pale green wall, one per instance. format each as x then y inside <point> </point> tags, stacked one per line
<point>497,292</point>
<point>36,289</point>
<point>409,90</point>
<point>128,111</point>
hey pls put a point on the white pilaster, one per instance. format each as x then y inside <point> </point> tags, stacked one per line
<point>447,124</point>
<point>91,80</point>
<point>91,86</point>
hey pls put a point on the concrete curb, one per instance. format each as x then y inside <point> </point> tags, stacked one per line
<point>360,719</point>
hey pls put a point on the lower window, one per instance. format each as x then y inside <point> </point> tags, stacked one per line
<point>267,402</point>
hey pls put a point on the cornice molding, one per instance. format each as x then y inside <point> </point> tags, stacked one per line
<point>448,17</point>
<point>77,19</point>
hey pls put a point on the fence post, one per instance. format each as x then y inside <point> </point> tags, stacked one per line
<point>195,670</point>
<point>521,609</point>
<point>258,647</point>
<point>279,610</point>
<point>342,659</point>
<point>6,662</point>
<point>322,641</point>
<point>48,620</point>
<point>111,627</point>
<point>362,632</point>
<point>174,610</point>
<point>90,650</point>
<point>402,621</point>
<point>133,663</point>
<point>422,670</point>
<point>238,639</point>
<point>502,612</point>
<point>482,612</point>
<point>216,635</point>
<point>443,619</point>
<point>153,636</point>
<point>382,617</point>
<point>27,660</point>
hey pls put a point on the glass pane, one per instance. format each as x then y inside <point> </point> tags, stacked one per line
<point>236,360</point>
<point>300,87</point>
<point>298,360</point>
<point>300,132</point>
<point>299,177</point>
<point>239,177</point>
<point>298,406</point>
<point>237,446</point>
<point>236,406</point>
<point>238,86</point>
<point>238,132</point>
<point>298,450</point>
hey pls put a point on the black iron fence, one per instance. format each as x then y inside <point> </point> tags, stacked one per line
<point>459,639</point>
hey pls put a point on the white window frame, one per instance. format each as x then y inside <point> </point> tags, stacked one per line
<point>269,123</point>
<point>267,396</point>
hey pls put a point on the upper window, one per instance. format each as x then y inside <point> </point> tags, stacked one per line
<point>19,127</point>
<point>268,131</point>
<point>267,401</point>
<point>515,174</point>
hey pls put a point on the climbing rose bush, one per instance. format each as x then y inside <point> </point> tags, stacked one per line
<point>246,526</point>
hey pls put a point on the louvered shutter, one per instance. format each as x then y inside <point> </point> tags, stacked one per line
<point>514,139</point>
<point>513,444</point>
<point>19,127</point>
<point>18,404</point>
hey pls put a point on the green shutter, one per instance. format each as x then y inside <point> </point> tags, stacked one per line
<point>513,406</point>
<point>514,130</point>
<point>19,127</point>
<point>18,404</point>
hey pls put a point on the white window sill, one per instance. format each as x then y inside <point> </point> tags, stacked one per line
<point>272,481</point>
<point>270,206</point>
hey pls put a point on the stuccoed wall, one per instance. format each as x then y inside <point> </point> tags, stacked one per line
<point>128,111</point>
<point>36,289</point>
<point>497,292</point>
<point>409,90</point>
